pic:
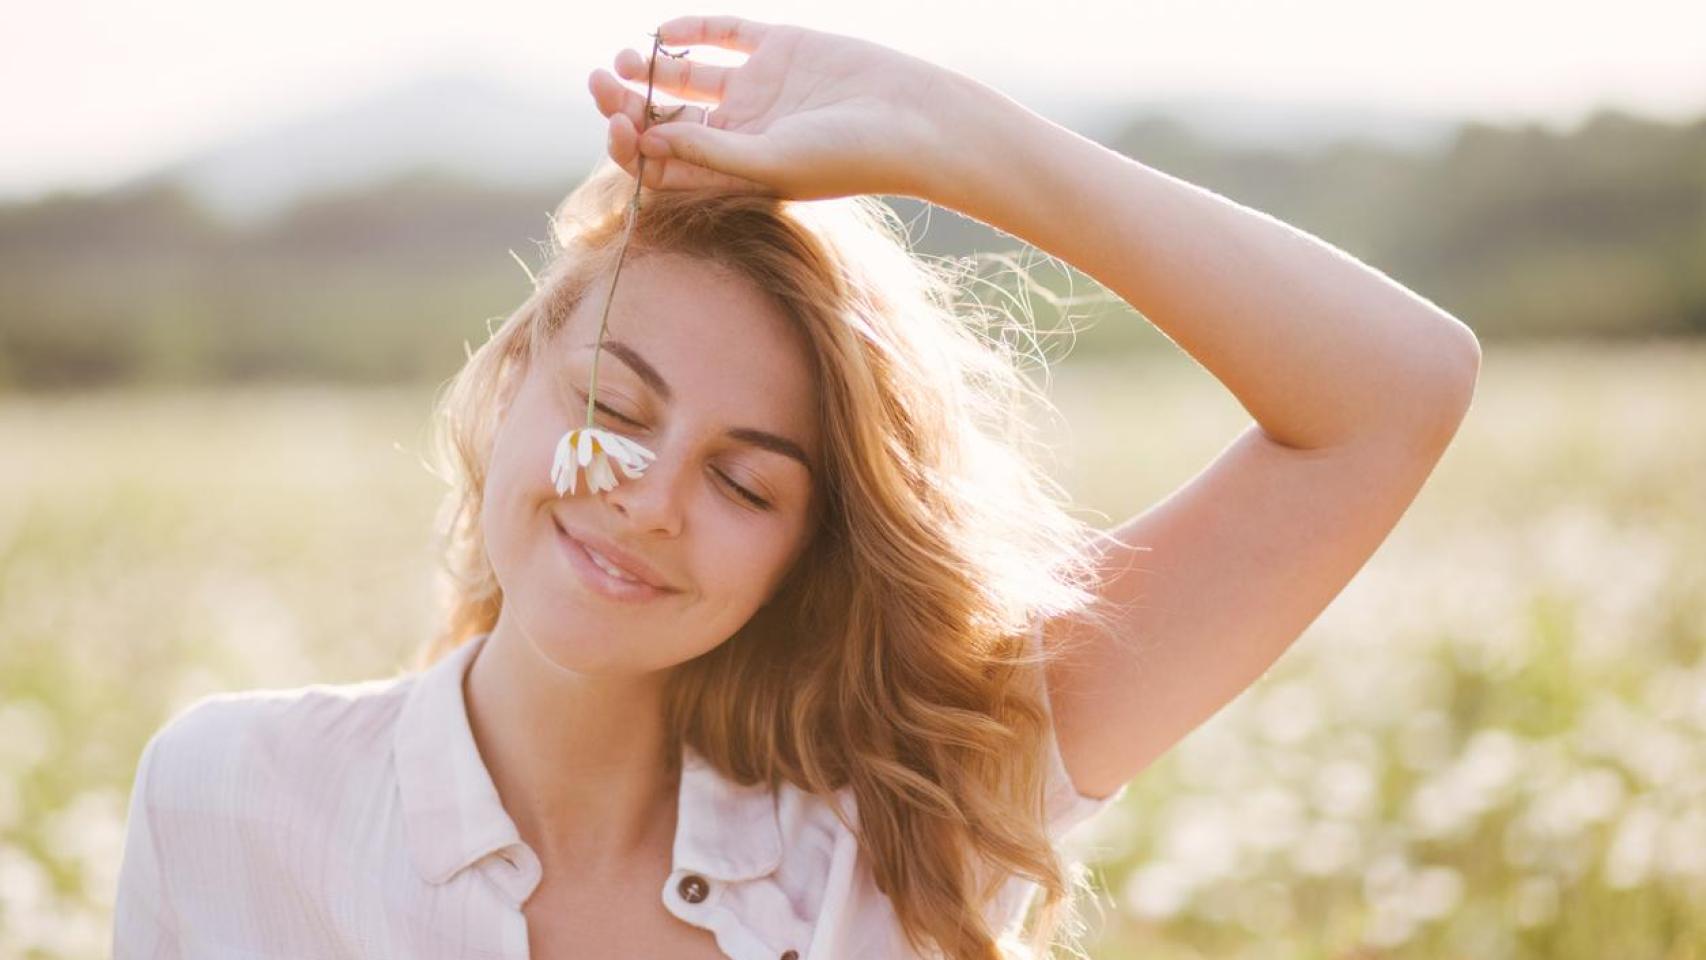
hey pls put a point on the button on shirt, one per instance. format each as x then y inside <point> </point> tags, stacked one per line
<point>358,820</point>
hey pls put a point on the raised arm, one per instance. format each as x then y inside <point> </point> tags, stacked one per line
<point>1356,385</point>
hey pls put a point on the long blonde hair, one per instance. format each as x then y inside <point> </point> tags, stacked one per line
<point>894,657</point>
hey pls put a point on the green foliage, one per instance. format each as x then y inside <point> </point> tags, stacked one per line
<point>1599,231</point>
<point>382,286</point>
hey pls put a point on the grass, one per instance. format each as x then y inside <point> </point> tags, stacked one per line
<point>1491,745</point>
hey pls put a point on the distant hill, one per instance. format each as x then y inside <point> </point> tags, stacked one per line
<point>464,125</point>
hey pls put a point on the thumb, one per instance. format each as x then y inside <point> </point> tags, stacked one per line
<point>737,154</point>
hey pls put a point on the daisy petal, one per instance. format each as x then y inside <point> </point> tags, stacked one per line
<point>601,475</point>
<point>561,456</point>
<point>629,451</point>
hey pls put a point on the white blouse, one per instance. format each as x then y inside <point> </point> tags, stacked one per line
<point>358,820</point>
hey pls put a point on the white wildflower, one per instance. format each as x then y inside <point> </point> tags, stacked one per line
<point>595,449</point>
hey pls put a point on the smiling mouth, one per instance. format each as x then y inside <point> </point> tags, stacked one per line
<point>612,583</point>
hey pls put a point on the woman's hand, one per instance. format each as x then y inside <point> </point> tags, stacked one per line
<point>809,115</point>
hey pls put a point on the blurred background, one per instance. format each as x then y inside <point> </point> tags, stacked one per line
<point>242,246</point>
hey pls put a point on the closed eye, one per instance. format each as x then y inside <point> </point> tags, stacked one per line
<point>600,407</point>
<point>745,494</point>
<point>751,497</point>
<point>604,409</point>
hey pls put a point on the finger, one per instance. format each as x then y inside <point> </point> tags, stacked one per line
<point>681,113</point>
<point>733,33</point>
<point>665,173</point>
<point>670,173</point>
<point>680,76</point>
<point>743,156</point>
<point>623,141</point>
<point>612,96</point>
<point>673,174</point>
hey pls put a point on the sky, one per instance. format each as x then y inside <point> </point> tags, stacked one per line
<point>94,91</point>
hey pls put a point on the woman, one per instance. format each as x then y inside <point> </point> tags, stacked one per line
<point>831,670</point>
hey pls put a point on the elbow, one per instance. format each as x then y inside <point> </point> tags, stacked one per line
<point>1464,368</point>
<point>1449,388</point>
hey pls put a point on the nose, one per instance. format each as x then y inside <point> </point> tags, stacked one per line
<point>652,501</point>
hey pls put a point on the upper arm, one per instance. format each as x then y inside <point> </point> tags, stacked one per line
<point>185,780</point>
<point>144,922</point>
<point>1208,587</point>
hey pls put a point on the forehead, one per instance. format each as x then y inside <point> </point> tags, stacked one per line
<point>726,348</point>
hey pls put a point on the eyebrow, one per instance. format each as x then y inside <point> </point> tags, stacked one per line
<point>752,436</point>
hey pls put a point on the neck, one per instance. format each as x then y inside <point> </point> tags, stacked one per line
<point>580,761</point>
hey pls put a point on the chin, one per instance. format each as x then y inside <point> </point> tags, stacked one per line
<point>613,650</point>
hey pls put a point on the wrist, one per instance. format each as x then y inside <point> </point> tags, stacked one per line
<point>974,131</point>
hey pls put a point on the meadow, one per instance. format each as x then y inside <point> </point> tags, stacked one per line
<point>1491,745</point>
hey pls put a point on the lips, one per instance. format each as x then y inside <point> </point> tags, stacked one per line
<point>602,552</point>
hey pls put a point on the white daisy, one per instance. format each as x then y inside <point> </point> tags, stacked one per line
<point>590,446</point>
<point>595,449</point>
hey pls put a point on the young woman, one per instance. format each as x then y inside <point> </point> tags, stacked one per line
<point>832,670</point>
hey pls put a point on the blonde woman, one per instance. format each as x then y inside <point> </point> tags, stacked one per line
<point>831,670</point>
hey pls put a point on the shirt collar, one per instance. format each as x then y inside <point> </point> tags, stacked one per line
<point>453,818</point>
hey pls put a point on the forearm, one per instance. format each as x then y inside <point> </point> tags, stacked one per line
<point>1318,347</point>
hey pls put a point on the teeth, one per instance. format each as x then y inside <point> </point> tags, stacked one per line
<point>607,566</point>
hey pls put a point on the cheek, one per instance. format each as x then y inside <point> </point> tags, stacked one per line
<point>523,448</point>
<point>496,513</point>
<point>748,558</point>
<point>517,473</point>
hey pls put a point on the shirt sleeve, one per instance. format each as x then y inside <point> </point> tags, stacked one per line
<point>1065,806</point>
<point>144,922</point>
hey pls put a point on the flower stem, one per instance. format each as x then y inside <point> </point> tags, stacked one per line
<point>627,231</point>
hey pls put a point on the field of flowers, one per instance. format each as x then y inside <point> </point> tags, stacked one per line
<point>1491,745</point>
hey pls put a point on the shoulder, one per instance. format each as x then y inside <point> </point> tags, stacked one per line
<point>223,748</point>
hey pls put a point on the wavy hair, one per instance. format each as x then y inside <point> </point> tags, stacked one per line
<point>894,659</point>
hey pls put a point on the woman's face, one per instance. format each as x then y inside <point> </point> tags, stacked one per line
<point>714,379</point>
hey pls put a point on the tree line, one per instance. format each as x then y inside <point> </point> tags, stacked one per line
<point>1520,231</point>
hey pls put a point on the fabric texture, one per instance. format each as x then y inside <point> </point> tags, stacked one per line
<point>358,820</point>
